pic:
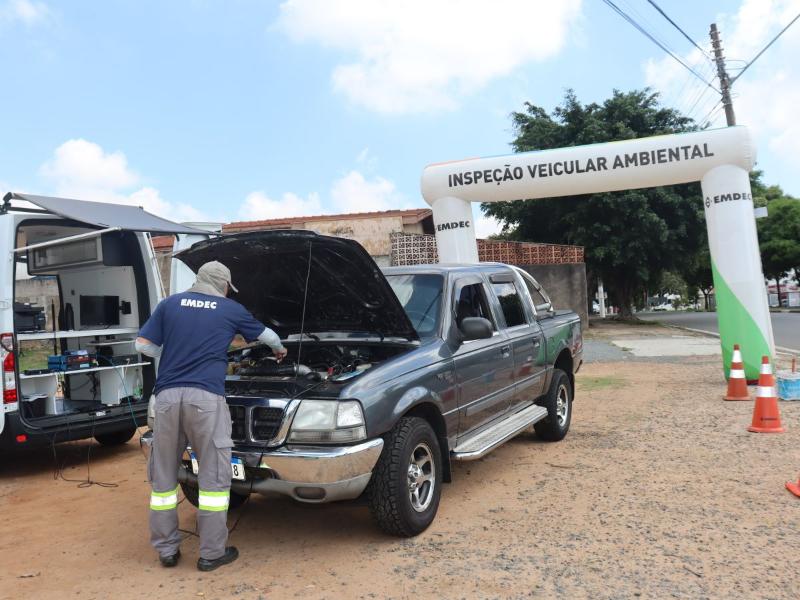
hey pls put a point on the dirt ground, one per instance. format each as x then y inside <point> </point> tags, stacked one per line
<point>658,491</point>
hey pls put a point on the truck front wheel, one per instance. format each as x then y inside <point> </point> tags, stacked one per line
<point>407,481</point>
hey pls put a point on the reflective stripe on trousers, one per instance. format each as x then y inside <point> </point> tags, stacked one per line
<point>164,500</point>
<point>213,501</point>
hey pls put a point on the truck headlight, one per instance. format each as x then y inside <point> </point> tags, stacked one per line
<point>328,421</point>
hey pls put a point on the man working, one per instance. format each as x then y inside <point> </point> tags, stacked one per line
<point>192,332</point>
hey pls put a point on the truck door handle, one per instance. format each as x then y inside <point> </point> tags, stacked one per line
<point>505,351</point>
<point>537,342</point>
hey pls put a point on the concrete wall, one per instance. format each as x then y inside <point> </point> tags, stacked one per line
<point>373,234</point>
<point>566,286</point>
<point>39,291</point>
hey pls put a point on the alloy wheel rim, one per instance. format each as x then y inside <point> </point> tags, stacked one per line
<point>562,405</point>
<point>421,477</point>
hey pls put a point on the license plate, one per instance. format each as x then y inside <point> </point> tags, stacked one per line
<point>237,467</point>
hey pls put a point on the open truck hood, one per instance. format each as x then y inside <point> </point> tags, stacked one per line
<point>347,293</point>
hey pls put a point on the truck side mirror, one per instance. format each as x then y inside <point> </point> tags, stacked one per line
<point>476,328</point>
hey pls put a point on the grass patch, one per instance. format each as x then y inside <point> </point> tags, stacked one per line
<point>591,384</point>
<point>33,354</point>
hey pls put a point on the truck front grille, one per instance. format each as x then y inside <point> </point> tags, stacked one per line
<point>238,423</point>
<point>251,423</point>
<point>266,423</point>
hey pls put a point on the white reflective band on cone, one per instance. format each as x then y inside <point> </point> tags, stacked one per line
<point>737,356</point>
<point>766,392</point>
<point>766,369</point>
<point>737,374</point>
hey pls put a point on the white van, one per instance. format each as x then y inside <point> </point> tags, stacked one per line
<point>70,368</point>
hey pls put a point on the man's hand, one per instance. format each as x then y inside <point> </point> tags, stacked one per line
<point>280,353</point>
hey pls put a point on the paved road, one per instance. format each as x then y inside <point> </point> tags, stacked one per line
<point>786,326</point>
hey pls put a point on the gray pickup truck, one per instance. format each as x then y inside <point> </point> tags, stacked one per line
<point>391,375</point>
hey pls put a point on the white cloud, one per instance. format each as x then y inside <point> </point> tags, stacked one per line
<point>79,163</point>
<point>258,206</point>
<point>352,193</point>
<point>27,12</point>
<point>484,224</point>
<point>422,55</point>
<point>82,169</point>
<point>355,193</point>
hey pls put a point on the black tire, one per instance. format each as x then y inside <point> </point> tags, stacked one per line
<point>192,495</point>
<point>116,438</point>
<point>390,494</point>
<point>553,428</point>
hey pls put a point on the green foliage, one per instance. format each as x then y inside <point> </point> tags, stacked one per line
<point>779,237</point>
<point>631,237</point>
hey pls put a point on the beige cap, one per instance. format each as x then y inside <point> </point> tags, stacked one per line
<point>215,274</point>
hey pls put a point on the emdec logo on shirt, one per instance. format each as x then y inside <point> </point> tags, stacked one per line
<point>198,303</point>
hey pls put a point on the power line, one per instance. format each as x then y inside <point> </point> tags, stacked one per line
<point>647,34</point>
<point>764,49</point>
<point>676,26</point>
<point>713,112</point>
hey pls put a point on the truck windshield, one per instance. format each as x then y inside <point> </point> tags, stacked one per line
<point>421,298</point>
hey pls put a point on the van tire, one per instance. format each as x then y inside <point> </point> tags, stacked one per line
<point>115,438</point>
<point>192,494</point>
<point>412,440</point>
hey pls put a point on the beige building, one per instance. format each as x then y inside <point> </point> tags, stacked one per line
<point>371,229</point>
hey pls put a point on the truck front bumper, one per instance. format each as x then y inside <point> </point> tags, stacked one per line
<point>312,474</point>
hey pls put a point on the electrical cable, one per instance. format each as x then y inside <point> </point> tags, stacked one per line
<point>292,399</point>
<point>764,49</point>
<point>649,36</point>
<point>676,26</point>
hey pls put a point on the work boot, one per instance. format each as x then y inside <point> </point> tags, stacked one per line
<point>170,561</point>
<point>231,554</point>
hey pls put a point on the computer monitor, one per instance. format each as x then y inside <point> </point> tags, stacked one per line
<point>99,311</point>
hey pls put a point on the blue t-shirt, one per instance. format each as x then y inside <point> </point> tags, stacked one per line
<point>195,332</point>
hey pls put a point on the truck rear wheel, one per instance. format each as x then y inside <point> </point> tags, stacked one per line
<point>192,494</point>
<point>115,438</point>
<point>406,484</point>
<point>558,402</point>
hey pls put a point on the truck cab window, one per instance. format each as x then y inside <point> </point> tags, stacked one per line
<point>540,302</point>
<point>511,304</point>
<point>471,302</point>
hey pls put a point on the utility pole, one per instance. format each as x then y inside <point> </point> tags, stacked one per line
<point>724,79</point>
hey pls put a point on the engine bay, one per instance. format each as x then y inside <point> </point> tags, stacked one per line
<point>311,362</point>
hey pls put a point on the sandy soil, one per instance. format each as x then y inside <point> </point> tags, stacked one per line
<point>658,491</point>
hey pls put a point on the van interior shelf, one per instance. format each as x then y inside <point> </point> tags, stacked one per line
<point>77,333</point>
<point>79,371</point>
<point>109,342</point>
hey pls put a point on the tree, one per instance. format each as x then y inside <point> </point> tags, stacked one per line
<point>779,238</point>
<point>698,274</point>
<point>631,237</point>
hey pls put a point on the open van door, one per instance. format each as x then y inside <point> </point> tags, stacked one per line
<point>77,376</point>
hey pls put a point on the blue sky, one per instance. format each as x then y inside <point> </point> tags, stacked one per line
<point>257,109</point>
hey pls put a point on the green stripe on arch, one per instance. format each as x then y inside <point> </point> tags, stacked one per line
<point>737,326</point>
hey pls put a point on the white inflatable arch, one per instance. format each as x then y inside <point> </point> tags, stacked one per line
<point>720,159</point>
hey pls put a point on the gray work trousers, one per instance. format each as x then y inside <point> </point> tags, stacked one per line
<point>203,420</point>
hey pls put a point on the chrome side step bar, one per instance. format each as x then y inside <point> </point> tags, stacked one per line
<point>488,439</point>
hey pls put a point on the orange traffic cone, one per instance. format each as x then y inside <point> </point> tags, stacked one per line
<point>766,416</point>
<point>794,487</point>
<point>737,384</point>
